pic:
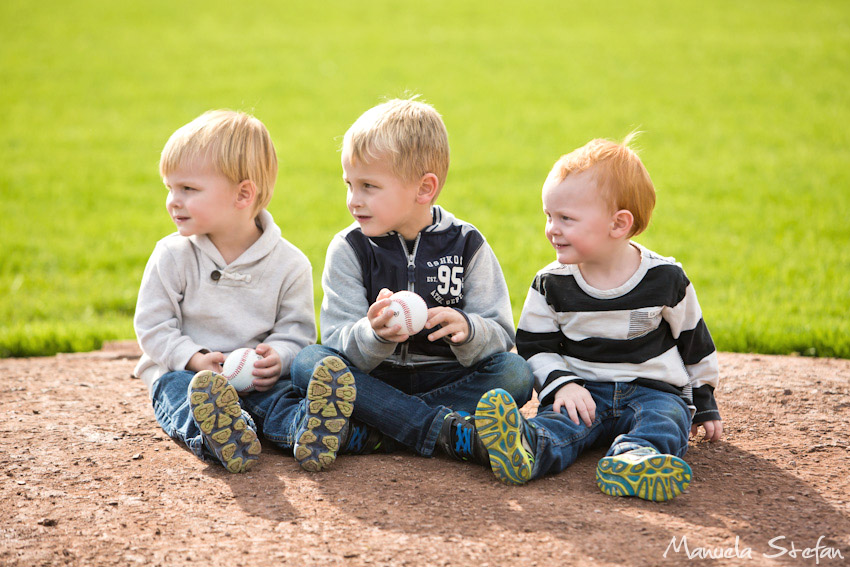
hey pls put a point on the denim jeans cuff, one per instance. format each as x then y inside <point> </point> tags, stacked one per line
<point>434,433</point>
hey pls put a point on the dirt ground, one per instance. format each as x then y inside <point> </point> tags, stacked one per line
<point>90,479</point>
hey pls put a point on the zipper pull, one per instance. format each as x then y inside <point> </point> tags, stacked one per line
<point>411,261</point>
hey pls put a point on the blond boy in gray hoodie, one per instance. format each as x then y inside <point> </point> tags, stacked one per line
<point>226,279</point>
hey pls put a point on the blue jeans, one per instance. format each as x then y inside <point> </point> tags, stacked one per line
<point>628,416</point>
<point>275,414</point>
<point>409,404</point>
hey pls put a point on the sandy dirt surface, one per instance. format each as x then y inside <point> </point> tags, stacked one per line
<point>90,479</point>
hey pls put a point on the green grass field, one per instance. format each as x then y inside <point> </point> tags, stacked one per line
<point>745,110</point>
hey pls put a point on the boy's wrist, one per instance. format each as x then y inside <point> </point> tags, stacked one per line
<point>470,330</point>
<point>193,365</point>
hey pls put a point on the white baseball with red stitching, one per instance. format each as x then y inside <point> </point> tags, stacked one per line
<point>409,311</point>
<point>239,367</point>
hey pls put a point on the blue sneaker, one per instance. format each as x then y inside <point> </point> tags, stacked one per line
<point>226,432</point>
<point>510,440</point>
<point>459,439</point>
<point>330,394</point>
<point>365,440</point>
<point>644,473</point>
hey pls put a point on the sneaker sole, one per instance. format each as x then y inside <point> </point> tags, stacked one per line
<point>498,422</point>
<point>330,394</point>
<point>654,477</point>
<point>216,410</point>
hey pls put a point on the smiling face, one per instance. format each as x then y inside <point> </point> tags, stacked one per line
<point>200,200</point>
<point>380,201</point>
<point>579,221</point>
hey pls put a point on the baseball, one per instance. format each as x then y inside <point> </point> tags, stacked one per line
<point>238,368</point>
<point>409,311</point>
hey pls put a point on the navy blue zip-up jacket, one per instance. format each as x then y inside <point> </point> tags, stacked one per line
<point>450,265</point>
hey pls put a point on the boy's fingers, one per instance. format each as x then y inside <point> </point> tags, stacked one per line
<point>440,333</point>
<point>378,309</point>
<point>459,337</point>
<point>393,333</point>
<point>436,316</point>
<point>713,430</point>
<point>265,371</point>
<point>571,410</point>
<point>455,332</point>
<point>591,410</point>
<point>586,416</point>
<point>379,320</point>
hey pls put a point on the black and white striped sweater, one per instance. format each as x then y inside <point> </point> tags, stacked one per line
<point>648,330</point>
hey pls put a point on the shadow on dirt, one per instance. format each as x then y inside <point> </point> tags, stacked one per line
<point>769,511</point>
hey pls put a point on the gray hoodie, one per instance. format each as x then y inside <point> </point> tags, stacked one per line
<point>190,300</point>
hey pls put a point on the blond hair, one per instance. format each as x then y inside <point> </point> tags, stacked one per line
<point>236,144</point>
<point>621,177</point>
<point>410,134</point>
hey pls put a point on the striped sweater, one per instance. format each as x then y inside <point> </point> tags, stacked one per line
<point>650,330</point>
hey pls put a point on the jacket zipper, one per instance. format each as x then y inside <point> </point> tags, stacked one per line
<point>411,279</point>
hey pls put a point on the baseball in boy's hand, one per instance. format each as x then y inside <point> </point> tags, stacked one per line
<point>409,311</point>
<point>239,368</point>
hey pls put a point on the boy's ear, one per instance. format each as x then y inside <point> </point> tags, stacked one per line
<point>429,187</point>
<point>622,223</point>
<point>246,192</point>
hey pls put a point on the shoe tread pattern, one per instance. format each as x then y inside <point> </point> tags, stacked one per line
<point>330,394</point>
<point>499,425</point>
<point>652,477</point>
<point>216,410</point>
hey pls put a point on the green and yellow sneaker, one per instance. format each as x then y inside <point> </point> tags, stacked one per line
<point>510,440</point>
<point>644,473</point>
<point>330,393</point>
<point>216,410</point>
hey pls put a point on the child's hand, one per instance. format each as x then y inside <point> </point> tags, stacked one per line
<point>379,316</point>
<point>578,401</point>
<point>267,369</point>
<point>451,322</point>
<point>205,361</point>
<point>713,430</point>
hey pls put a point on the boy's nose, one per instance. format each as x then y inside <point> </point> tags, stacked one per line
<point>354,200</point>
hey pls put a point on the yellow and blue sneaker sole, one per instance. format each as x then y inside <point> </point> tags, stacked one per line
<point>215,408</point>
<point>499,425</point>
<point>330,393</point>
<point>656,477</point>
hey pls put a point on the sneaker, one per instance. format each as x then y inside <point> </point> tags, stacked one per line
<point>365,440</point>
<point>459,440</point>
<point>330,401</point>
<point>510,440</point>
<point>644,473</point>
<point>216,411</point>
